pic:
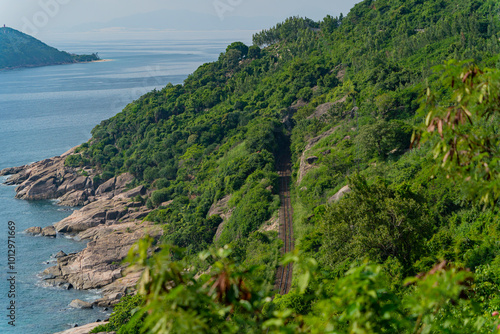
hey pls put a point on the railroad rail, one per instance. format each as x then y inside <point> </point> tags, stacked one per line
<point>284,274</point>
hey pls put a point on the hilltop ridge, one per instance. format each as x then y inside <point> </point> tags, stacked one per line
<point>21,50</point>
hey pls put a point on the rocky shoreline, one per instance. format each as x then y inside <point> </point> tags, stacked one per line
<point>110,218</point>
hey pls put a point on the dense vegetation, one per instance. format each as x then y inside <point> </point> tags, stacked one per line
<point>348,93</point>
<point>21,50</point>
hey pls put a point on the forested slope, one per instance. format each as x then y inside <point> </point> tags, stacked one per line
<point>20,50</point>
<point>344,93</point>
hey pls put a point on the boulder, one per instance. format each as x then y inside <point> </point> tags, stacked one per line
<point>51,273</point>
<point>112,215</point>
<point>77,303</point>
<point>58,282</point>
<point>136,204</point>
<point>34,230</point>
<point>60,254</point>
<point>139,215</point>
<point>115,185</point>
<point>74,198</point>
<point>140,190</point>
<point>114,291</point>
<point>44,188</point>
<point>167,203</point>
<point>339,194</point>
<point>72,182</point>
<point>89,216</point>
<point>49,231</point>
<point>106,187</point>
<point>122,181</point>
<point>85,329</point>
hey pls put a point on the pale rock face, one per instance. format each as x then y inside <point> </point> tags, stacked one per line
<point>305,165</point>
<point>220,208</point>
<point>77,303</point>
<point>115,185</point>
<point>109,219</point>
<point>75,198</point>
<point>49,231</point>
<point>82,329</point>
<point>34,230</point>
<point>99,265</point>
<point>339,194</point>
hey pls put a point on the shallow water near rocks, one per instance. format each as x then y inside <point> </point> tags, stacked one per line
<point>46,111</point>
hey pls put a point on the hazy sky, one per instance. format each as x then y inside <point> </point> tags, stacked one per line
<point>52,17</point>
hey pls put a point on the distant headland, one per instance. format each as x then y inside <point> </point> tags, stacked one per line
<point>18,50</point>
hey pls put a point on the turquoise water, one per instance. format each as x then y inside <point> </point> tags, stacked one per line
<point>46,111</point>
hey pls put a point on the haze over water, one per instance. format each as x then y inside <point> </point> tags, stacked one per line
<point>46,111</point>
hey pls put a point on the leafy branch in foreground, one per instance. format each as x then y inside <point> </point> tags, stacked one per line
<point>228,298</point>
<point>461,121</point>
<point>179,300</point>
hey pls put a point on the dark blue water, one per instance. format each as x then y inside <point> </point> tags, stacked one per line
<point>46,111</point>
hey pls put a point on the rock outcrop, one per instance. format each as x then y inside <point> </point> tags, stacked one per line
<point>82,329</point>
<point>108,209</point>
<point>100,263</point>
<point>305,166</point>
<point>60,254</point>
<point>220,208</point>
<point>109,219</point>
<point>339,194</point>
<point>122,286</point>
<point>77,303</point>
<point>49,231</point>
<point>324,108</point>
<point>34,230</point>
<point>47,179</point>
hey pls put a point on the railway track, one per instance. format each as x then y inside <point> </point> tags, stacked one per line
<point>284,274</point>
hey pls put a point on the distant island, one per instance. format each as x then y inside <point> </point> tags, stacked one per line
<point>19,50</point>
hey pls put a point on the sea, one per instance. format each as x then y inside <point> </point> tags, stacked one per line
<point>44,112</point>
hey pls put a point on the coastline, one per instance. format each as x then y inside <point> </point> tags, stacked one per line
<point>108,217</point>
<point>95,61</point>
<point>57,64</point>
<point>58,129</point>
<point>85,329</point>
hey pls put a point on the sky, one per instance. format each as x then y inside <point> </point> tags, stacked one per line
<point>112,19</point>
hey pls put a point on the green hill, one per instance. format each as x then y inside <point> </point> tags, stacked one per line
<point>20,50</point>
<point>343,94</point>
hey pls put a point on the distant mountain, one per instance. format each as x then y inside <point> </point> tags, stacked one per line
<point>181,20</point>
<point>20,50</point>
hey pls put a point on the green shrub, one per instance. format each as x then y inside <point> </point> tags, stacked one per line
<point>123,312</point>
<point>160,196</point>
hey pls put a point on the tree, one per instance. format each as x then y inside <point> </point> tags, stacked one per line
<point>377,222</point>
<point>383,137</point>
<point>232,57</point>
<point>240,47</point>
<point>329,24</point>
<point>254,52</point>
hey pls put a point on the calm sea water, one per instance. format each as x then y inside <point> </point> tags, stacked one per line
<point>46,111</point>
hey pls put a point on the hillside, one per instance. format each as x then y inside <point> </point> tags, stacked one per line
<point>389,239</point>
<point>20,50</point>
